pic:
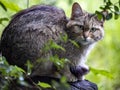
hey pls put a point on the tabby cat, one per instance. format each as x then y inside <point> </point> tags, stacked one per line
<point>32,29</point>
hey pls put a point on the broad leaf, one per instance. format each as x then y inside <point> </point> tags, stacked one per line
<point>116,8</point>
<point>109,16</point>
<point>101,72</point>
<point>44,85</point>
<point>12,6</point>
<point>99,15</point>
<point>116,15</point>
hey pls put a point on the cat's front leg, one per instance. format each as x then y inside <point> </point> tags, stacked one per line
<point>75,73</point>
<point>79,71</point>
<point>67,73</point>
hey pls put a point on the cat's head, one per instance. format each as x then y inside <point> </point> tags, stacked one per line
<point>83,27</point>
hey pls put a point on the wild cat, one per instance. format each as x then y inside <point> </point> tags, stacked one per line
<point>30,30</point>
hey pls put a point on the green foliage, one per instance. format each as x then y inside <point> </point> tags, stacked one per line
<point>10,5</point>
<point>101,72</point>
<point>3,19</point>
<point>10,70</point>
<point>29,67</point>
<point>99,14</point>
<point>9,73</point>
<point>64,38</point>
<point>109,16</point>
<point>44,85</point>
<point>52,45</point>
<point>111,8</point>
<point>59,62</point>
<point>62,85</point>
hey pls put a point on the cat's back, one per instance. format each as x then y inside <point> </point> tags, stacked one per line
<point>39,20</point>
<point>29,30</point>
<point>42,14</point>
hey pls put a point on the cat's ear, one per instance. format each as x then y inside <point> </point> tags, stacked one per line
<point>76,11</point>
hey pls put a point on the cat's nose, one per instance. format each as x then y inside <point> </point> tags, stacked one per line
<point>86,34</point>
<point>78,71</point>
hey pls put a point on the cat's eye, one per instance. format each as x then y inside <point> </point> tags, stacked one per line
<point>81,27</point>
<point>93,29</point>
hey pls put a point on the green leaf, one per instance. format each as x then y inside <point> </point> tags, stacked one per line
<point>101,72</point>
<point>109,3</point>
<point>58,62</point>
<point>99,15</point>
<point>56,46</point>
<point>19,69</point>
<point>3,69</point>
<point>3,66</point>
<point>44,85</point>
<point>116,8</point>
<point>3,61</point>
<point>116,15</point>
<point>63,79</point>
<point>29,67</point>
<point>12,6</point>
<point>109,16</point>
<point>103,8</point>
<point>74,43</point>
<point>3,6</point>
<point>15,71</point>
<point>64,38</point>
<point>3,19</point>
<point>52,45</point>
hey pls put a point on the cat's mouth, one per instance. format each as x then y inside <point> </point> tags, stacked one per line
<point>78,71</point>
<point>85,41</point>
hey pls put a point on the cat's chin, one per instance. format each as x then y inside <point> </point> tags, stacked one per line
<point>85,43</point>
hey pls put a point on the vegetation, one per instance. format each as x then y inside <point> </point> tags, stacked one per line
<point>103,61</point>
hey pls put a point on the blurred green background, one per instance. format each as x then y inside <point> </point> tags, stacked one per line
<point>106,54</point>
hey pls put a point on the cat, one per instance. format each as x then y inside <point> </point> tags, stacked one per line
<point>32,29</point>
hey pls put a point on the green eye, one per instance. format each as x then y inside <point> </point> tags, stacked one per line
<point>81,27</point>
<point>93,29</point>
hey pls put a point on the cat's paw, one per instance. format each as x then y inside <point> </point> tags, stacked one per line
<point>79,71</point>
